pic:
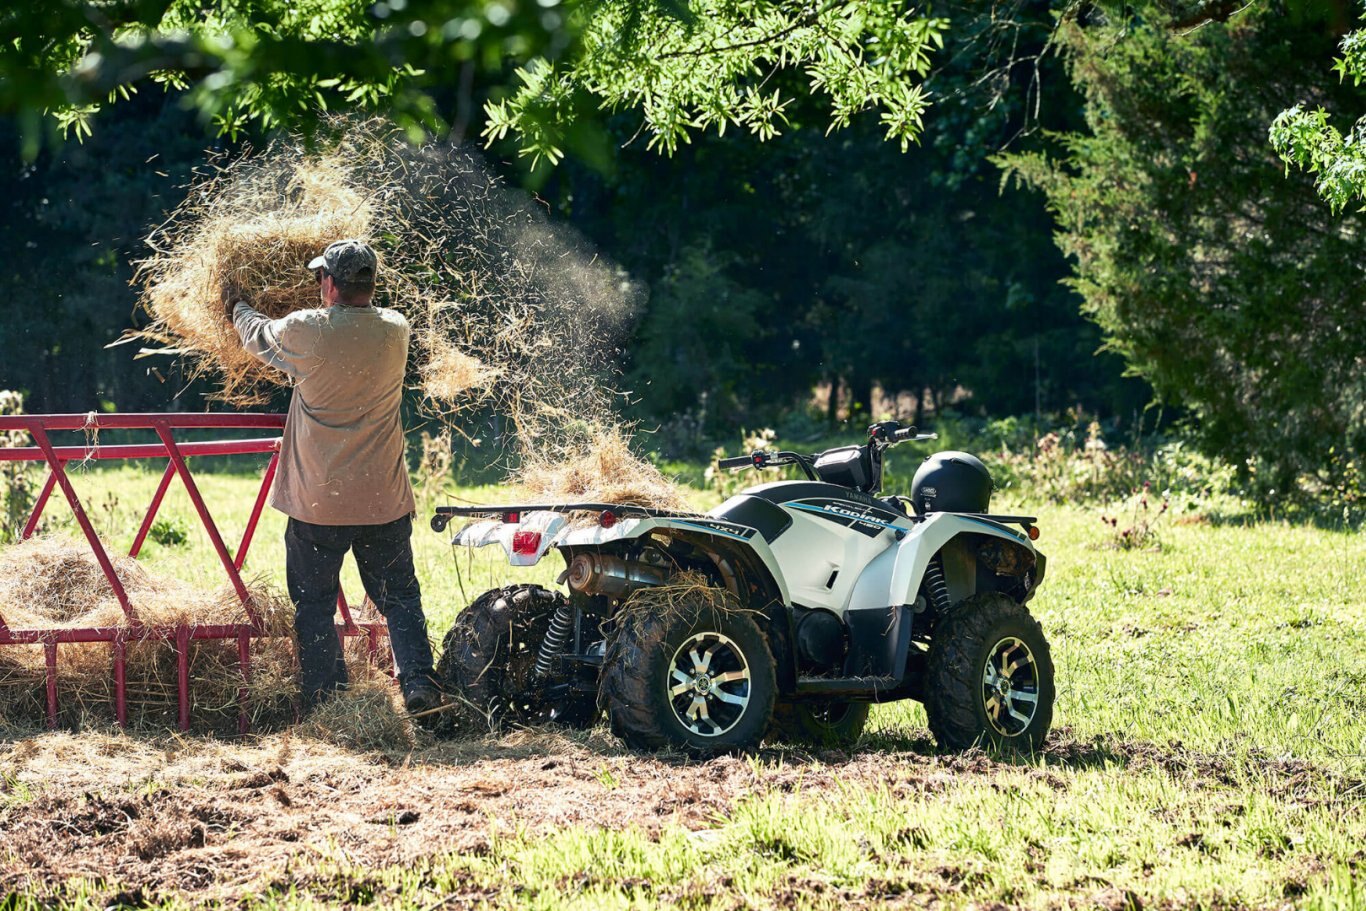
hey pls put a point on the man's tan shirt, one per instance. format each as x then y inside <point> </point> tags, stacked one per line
<point>341,460</point>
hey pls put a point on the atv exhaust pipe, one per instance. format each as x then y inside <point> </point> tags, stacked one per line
<point>599,574</point>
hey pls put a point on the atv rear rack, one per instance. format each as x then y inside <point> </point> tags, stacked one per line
<point>444,514</point>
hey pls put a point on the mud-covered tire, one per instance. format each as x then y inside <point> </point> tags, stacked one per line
<point>959,688</point>
<point>819,724</point>
<point>637,678</point>
<point>488,656</point>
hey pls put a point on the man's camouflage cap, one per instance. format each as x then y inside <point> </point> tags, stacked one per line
<point>348,261</point>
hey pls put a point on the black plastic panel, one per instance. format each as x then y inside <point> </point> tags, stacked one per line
<point>760,514</point>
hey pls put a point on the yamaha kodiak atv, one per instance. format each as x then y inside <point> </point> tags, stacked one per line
<point>838,598</point>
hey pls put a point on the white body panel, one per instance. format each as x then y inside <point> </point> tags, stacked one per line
<point>491,531</point>
<point>815,548</point>
<point>872,569</point>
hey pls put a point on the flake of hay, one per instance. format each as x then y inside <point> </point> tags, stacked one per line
<point>364,716</point>
<point>256,229</point>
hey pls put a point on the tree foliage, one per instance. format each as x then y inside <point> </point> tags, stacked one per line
<point>1231,289</point>
<point>712,64</point>
<point>686,65</point>
<point>1306,137</point>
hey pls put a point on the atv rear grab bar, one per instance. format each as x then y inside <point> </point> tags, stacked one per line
<point>1025,521</point>
<point>444,514</point>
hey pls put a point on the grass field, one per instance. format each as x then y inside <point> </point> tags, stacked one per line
<point>1209,751</point>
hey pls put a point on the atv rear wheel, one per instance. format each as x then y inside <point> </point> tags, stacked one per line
<point>990,677</point>
<point>820,724</point>
<point>489,656</point>
<point>698,679</point>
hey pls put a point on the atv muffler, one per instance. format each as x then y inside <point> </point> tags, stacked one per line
<point>600,574</point>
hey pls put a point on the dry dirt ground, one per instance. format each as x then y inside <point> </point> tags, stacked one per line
<point>205,819</point>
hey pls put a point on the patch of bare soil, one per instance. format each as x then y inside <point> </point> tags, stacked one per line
<point>206,818</point>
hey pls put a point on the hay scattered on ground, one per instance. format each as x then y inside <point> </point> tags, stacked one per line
<point>365,716</point>
<point>50,583</point>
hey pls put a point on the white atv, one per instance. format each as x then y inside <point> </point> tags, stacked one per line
<point>833,599</point>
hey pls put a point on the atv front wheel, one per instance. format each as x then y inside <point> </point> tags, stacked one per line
<point>698,679</point>
<point>820,724</point>
<point>489,657</point>
<point>990,677</point>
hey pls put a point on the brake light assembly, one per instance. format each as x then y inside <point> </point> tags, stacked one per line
<point>526,543</point>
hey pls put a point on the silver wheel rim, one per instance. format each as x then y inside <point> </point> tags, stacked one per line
<point>1010,687</point>
<point>709,684</point>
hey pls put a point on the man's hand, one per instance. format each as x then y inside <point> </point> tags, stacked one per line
<point>232,293</point>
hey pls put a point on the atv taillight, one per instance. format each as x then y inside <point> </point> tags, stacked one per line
<point>512,518</point>
<point>1033,532</point>
<point>526,543</point>
<point>607,519</point>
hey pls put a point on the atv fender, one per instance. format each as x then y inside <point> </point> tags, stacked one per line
<point>894,576</point>
<point>721,536</point>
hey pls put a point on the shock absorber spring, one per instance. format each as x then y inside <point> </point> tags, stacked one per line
<point>937,586</point>
<point>561,626</point>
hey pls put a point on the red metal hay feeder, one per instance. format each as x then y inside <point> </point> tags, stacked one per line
<point>176,453</point>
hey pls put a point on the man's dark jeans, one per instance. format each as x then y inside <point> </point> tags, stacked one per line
<point>384,556</point>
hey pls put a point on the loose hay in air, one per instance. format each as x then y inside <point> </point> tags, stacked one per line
<point>512,316</point>
<point>48,583</point>
<point>602,468</point>
<point>450,375</point>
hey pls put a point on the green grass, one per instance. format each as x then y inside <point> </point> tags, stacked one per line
<point>1210,749</point>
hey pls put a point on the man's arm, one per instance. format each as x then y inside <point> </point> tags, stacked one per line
<point>270,341</point>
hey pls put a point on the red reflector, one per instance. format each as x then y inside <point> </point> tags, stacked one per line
<point>512,518</point>
<point>607,519</point>
<point>1033,532</point>
<point>526,543</point>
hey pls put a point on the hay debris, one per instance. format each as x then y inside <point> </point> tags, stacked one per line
<point>365,716</point>
<point>48,583</point>
<point>686,592</point>
<point>510,314</point>
<point>603,469</point>
<point>451,375</point>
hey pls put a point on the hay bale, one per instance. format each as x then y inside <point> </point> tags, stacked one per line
<point>48,583</point>
<point>254,229</point>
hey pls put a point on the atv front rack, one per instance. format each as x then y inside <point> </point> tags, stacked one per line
<point>513,514</point>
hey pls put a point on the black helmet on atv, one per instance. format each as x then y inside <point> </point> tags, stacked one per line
<point>951,482</point>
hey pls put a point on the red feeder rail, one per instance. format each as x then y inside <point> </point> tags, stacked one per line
<point>176,453</point>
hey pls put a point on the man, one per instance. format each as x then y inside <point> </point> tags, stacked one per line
<point>342,479</point>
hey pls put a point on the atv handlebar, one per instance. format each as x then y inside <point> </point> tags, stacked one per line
<point>883,435</point>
